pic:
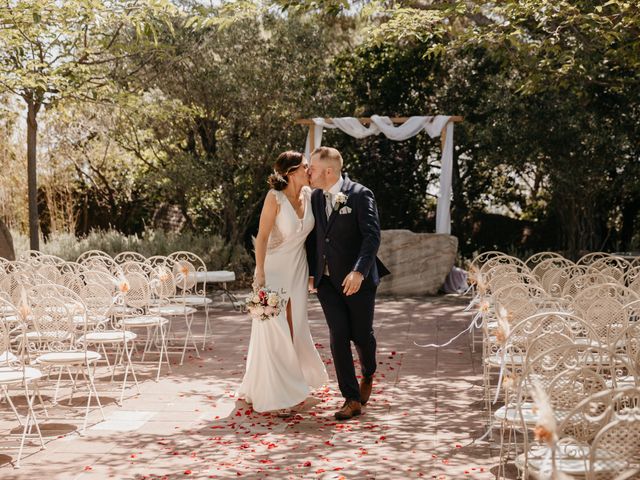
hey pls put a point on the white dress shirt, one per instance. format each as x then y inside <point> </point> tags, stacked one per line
<point>333,191</point>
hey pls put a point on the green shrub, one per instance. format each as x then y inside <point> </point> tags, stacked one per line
<point>213,250</point>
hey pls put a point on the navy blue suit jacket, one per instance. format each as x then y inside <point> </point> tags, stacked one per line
<point>346,242</point>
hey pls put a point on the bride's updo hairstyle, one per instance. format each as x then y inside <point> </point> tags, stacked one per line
<point>286,163</point>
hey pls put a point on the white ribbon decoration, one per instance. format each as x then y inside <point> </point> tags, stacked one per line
<point>433,125</point>
<point>476,322</point>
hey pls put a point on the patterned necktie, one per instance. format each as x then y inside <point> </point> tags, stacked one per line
<point>328,203</point>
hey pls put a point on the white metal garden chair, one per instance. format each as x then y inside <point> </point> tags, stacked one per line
<point>187,268</point>
<point>111,337</point>
<point>54,340</point>
<point>138,298</point>
<point>164,288</point>
<point>568,374</point>
<point>16,377</point>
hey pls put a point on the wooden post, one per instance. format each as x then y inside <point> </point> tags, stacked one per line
<point>312,139</point>
<point>443,136</point>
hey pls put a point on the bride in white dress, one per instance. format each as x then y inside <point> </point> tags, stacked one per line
<point>283,364</point>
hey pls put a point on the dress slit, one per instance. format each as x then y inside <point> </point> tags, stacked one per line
<point>290,317</point>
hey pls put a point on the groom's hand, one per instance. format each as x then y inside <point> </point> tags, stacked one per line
<point>352,283</point>
<point>312,289</point>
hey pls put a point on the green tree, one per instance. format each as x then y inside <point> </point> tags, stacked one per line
<point>51,49</point>
<point>219,103</point>
<point>575,64</point>
<point>549,93</point>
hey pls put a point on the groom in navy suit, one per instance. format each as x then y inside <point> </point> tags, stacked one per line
<point>345,271</point>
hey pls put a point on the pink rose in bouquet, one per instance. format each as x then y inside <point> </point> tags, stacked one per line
<point>263,304</point>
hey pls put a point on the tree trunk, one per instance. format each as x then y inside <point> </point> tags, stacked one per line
<point>6,243</point>
<point>32,136</point>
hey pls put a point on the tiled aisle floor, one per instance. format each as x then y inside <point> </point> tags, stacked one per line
<point>420,422</point>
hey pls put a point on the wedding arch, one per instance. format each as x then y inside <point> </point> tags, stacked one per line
<point>438,125</point>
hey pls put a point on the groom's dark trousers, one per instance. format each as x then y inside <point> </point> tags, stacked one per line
<point>338,245</point>
<point>350,319</point>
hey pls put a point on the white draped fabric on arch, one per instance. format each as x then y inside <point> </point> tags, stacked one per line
<point>408,127</point>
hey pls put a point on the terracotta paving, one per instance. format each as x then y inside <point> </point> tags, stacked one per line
<point>420,423</point>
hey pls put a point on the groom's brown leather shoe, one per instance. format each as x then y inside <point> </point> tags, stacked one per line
<point>366,385</point>
<point>351,408</point>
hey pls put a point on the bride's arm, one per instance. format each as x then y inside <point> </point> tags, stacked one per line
<point>267,220</point>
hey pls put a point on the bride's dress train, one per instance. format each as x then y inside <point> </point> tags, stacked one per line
<point>280,371</point>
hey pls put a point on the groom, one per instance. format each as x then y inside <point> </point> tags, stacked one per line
<point>341,251</point>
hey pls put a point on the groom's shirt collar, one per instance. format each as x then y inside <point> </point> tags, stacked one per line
<point>337,187</point>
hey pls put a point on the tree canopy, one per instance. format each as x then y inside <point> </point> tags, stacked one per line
<point>155,106</point>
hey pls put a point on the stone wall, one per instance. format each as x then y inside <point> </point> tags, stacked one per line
<point>419,262</point>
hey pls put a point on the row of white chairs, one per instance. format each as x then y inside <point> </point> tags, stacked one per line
<point>577,346</point>
<point>60,320</point>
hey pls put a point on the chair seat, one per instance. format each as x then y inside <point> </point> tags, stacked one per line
<point>9,376</point>
<point>595,343</point>
<point>91,320</point>
<point>108,336</point>
<point>172,309</point>
<point>52,335</point>
<point>10,319</point>
<point>193,300</point>
<point>145,321</point>
<point>511,414</point>
<point>7,357</point>
<point>570,459</point>
<point>122,310</point>
<point>622,382</point>
<point>509,359</point>
<point>527,413</point>
<point>68,358</point>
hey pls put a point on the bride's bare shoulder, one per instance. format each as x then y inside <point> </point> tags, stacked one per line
<point>276,195</point>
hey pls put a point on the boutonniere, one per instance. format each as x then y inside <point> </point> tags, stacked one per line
<point>341,200</point>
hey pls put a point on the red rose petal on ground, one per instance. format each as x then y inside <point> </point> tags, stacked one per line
<point>88,468</point>
<point>307,464</point>
<point>188,472</point>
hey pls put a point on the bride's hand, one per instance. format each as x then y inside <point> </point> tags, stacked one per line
<point>258,279</point>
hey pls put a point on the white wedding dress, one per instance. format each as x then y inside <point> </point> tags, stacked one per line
<point>280,372</point>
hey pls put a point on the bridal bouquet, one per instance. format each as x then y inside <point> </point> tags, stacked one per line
<point>264,304</point>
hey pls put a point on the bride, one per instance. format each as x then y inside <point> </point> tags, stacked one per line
<point>283,364</point>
